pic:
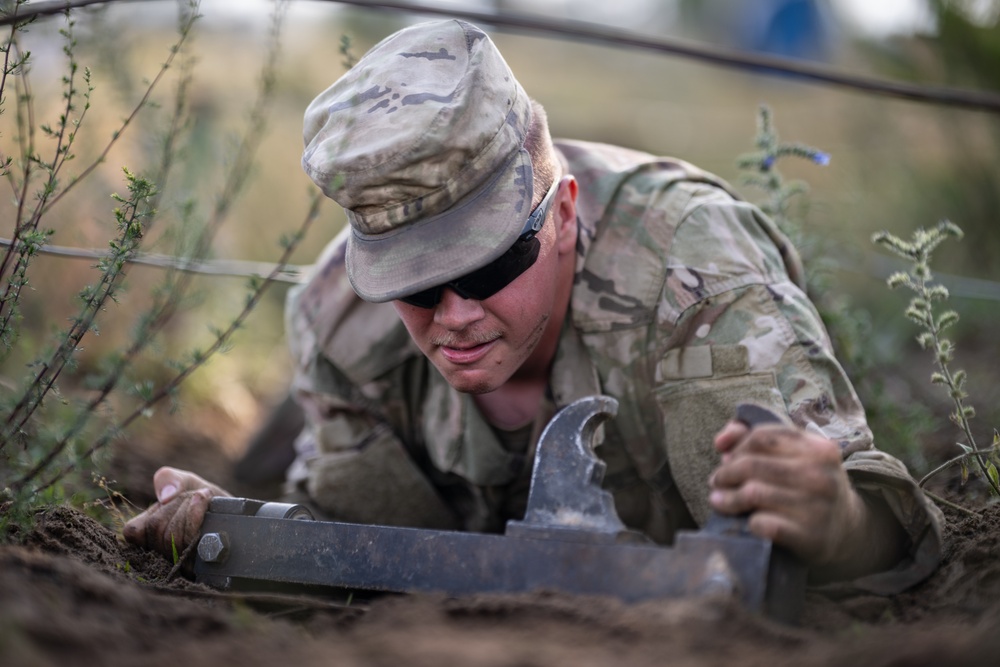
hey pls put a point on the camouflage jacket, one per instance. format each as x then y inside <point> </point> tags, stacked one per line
<point>686,302</point>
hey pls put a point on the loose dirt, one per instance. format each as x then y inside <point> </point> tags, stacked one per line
<point>75,594</point>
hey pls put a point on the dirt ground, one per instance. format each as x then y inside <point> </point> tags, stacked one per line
<point>75,594</point>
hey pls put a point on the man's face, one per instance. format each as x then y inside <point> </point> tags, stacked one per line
<point>479,345</point>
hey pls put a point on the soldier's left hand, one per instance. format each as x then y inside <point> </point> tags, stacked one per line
<point>793,486</point>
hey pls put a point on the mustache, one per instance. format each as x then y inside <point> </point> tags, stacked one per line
<point>466,338</point>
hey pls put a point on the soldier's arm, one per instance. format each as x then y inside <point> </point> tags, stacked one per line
<point>354,462</point>
<point>743,330</point>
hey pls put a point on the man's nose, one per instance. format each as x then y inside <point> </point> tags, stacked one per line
<point>455,313</point>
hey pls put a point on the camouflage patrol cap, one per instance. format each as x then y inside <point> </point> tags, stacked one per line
<point>422,143</point>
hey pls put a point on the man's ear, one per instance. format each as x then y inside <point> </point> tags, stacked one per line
<point>564,215</point>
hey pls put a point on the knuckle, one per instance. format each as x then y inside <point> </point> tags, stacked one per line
<point>823,482</point>
<point>754,493</point>
<point>830,449</point>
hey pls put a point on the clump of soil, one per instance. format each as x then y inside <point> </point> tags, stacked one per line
<point>74,593</point>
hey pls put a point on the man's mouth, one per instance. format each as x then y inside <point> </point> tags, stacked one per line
<point>466,352</point>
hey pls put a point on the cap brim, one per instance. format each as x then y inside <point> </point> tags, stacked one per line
<point>469,235</point>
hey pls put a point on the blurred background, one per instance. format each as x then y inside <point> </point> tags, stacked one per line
<point>895,165</point>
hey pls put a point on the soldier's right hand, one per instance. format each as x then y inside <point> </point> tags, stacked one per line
<point>174,521</point>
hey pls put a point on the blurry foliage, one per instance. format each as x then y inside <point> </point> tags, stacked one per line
<point>60,417</point>
<point>946,167</point>
<point>896,426</point>
<point>922,311</point>
<point>962,183</point>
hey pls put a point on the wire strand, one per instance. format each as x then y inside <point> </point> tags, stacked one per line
<point>581,30</point>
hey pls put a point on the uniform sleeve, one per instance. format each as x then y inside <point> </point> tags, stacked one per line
<point>352,463</point>
<point>738,330</point>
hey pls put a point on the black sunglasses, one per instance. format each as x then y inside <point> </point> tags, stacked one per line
<point>490,279</point>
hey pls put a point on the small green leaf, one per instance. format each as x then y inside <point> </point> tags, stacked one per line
<point>173,550</point>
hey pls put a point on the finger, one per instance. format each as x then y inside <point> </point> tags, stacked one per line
<point>181,522</point>
<point>779,440</point>
<point>730,435</point>
<point>195,515</point>
<point>776,470</point>
<point>168,482</point>
<point>754,496</point>
<point>134,530</point>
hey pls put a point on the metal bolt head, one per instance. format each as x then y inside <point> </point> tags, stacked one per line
<point>213,547</point>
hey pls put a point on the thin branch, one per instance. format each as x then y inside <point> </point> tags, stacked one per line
<point>183,35</point>
<point>26,141</point>
<point>129,217</point>
<point>967,455</point>
<point>199,361</point>
<point>947,503</point>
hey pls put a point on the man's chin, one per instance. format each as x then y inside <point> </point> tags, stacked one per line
<point>469,381</point>
<point>472,386</point>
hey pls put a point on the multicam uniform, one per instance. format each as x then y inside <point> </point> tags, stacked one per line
<point>686,302</point>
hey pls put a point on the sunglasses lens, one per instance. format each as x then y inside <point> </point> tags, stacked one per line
<point>427,298</point>
<point>487,281</point>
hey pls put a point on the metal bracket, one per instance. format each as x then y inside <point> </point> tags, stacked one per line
<point>571,540</point>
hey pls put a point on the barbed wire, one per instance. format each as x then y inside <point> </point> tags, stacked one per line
<point>212,267</point>
<point>870,264</point>
<point>581,30</point>
<point>878,266</point>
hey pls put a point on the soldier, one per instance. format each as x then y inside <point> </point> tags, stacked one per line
<point>489,276</point>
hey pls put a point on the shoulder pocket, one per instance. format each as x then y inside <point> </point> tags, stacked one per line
<point>694,410</point>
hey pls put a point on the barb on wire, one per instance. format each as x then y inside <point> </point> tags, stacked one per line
<point>573,29</point>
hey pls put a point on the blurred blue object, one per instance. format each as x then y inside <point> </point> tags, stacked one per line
<point>795,29</point>
<point>790,28</point>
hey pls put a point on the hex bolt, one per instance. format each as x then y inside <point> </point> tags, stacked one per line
<point>213,547</point>
<point>718,580</point>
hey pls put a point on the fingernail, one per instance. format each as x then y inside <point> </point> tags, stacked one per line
<point>167,492</point>
<point>715,497</point>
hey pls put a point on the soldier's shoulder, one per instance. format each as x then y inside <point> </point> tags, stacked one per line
<point>324,317</point>
<point>595,163</point>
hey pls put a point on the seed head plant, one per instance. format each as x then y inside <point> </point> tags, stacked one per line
<point>761,171</point>
<point>923,310</point>
<point>848,325</point>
